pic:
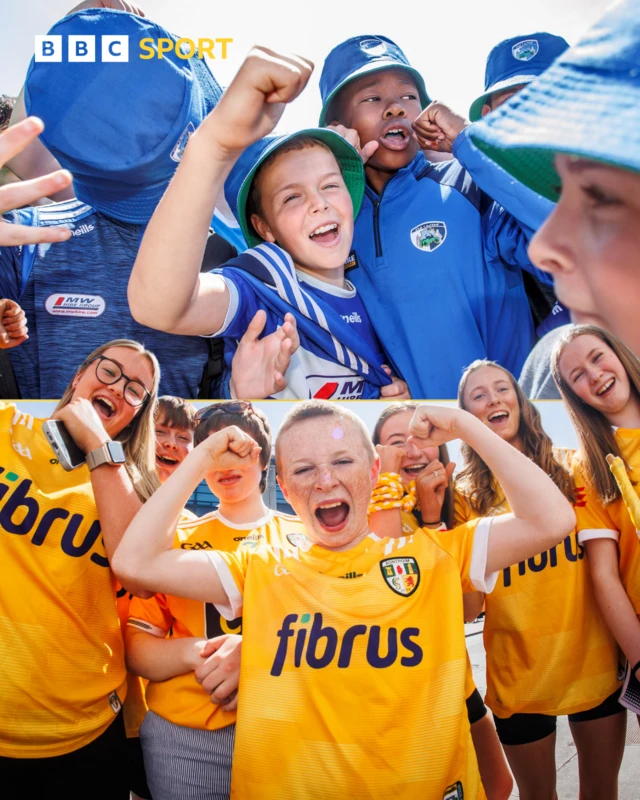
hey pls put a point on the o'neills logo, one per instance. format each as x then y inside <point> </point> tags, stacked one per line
<point>84,228</point>
<point>75,305</point>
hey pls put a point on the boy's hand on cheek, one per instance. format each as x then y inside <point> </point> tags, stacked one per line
<point>252,105</point>
<point>351,135</point>
<point>438,126</point>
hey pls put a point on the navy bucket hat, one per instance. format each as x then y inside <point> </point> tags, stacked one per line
<point>517,61</point>
<point>587,104</point>
<point>238,184</point>
<point>119,127</point>
<point>359,56</point>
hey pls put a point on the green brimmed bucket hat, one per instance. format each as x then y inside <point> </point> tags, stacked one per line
<point>238,184</point>
<point>587,104</point>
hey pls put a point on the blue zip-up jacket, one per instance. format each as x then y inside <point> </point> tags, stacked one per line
<point>440,269</point>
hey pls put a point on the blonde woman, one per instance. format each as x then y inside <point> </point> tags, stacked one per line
<point>63,678</point>
<point>549,652</point>
<point>599,380</point>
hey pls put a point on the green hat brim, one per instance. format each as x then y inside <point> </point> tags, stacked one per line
<point>475,111</point>
<point>347,157</point>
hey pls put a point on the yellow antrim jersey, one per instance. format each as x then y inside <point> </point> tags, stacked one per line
<point>181,700</point>
<point>353,668</point>
<point>410,525</point>
<point>548,649</point>
<point>596,521</point>
<point>135,706</point>
<point>62,673</point>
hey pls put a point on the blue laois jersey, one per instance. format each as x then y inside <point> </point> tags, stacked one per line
<point>440,270</point>
<point>74,294</point>
<point>315,370</point>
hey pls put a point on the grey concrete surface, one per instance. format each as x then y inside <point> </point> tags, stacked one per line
<point>566,756</point>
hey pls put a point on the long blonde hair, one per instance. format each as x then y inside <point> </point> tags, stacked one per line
<point>476,480</point>
<point>593,428</point>
<point>138,438</point>
<point>443,453</point>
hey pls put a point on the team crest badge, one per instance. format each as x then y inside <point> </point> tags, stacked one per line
<point>526,50</point>
<point>178,149</point>
<point>428,236</point>
<point>114,702</point>
<point>373,47</point>
<point>454,792</point>
<point>298,540</point>
<point>401,574</point>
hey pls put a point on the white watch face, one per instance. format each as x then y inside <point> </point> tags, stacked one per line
<point>116,452</point>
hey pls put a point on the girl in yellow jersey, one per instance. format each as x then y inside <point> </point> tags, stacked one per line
<point>187,740</point>
<point>431,472</point>
<point>599,379</point>
<point>62,673</point>
<point>549,652</point>
<point>354,663</point>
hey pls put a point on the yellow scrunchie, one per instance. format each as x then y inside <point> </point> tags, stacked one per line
<point>390,492</point>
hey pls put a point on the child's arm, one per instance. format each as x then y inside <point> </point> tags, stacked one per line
<point>611,596</point>
<point>166,289</point>
<point>541,515</point>
<point>161,659</point>
<point>145,558</point>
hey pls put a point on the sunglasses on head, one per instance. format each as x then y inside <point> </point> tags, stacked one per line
<point>230,407</point>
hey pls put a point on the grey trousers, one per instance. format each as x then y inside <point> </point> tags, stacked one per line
<point>186,763</point>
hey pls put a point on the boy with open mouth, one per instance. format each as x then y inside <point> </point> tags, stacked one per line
<point>440,264</point>
<point>295,198</point>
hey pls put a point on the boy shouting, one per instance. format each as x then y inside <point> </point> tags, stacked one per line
<point>295,198</point>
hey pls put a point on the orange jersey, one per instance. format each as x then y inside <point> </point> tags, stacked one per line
<point>62,671</point>
<point>180,699</point>
<point>135,706</point>
<point>548,648</point>
<point>612,521</point>
<point>353,669</point>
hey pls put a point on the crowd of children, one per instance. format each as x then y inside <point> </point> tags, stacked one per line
<point>254,654</point>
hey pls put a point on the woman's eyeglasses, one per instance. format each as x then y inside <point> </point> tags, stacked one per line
<point>110,372</point>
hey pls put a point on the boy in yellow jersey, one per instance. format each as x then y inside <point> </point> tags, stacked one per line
<point>187,739</point>
<point>354,658</point>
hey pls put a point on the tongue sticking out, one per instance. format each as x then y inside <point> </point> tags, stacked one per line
<point>333,516</point>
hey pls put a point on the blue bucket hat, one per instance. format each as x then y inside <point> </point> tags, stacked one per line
<point>593,87</point>
<point>119,128</point>
<point>238,184</point>
<point>359,56</point>
<point>517,61</point>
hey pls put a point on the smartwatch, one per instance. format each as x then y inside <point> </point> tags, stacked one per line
<point>110,453</point>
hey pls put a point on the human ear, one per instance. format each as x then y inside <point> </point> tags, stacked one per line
<point>262,227</point>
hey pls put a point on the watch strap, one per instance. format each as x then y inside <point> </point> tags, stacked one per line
<point>102,455</point>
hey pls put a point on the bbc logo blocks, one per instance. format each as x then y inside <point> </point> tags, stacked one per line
<point>82,48</point>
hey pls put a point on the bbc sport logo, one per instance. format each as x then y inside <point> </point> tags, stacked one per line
<point>115,48</point>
